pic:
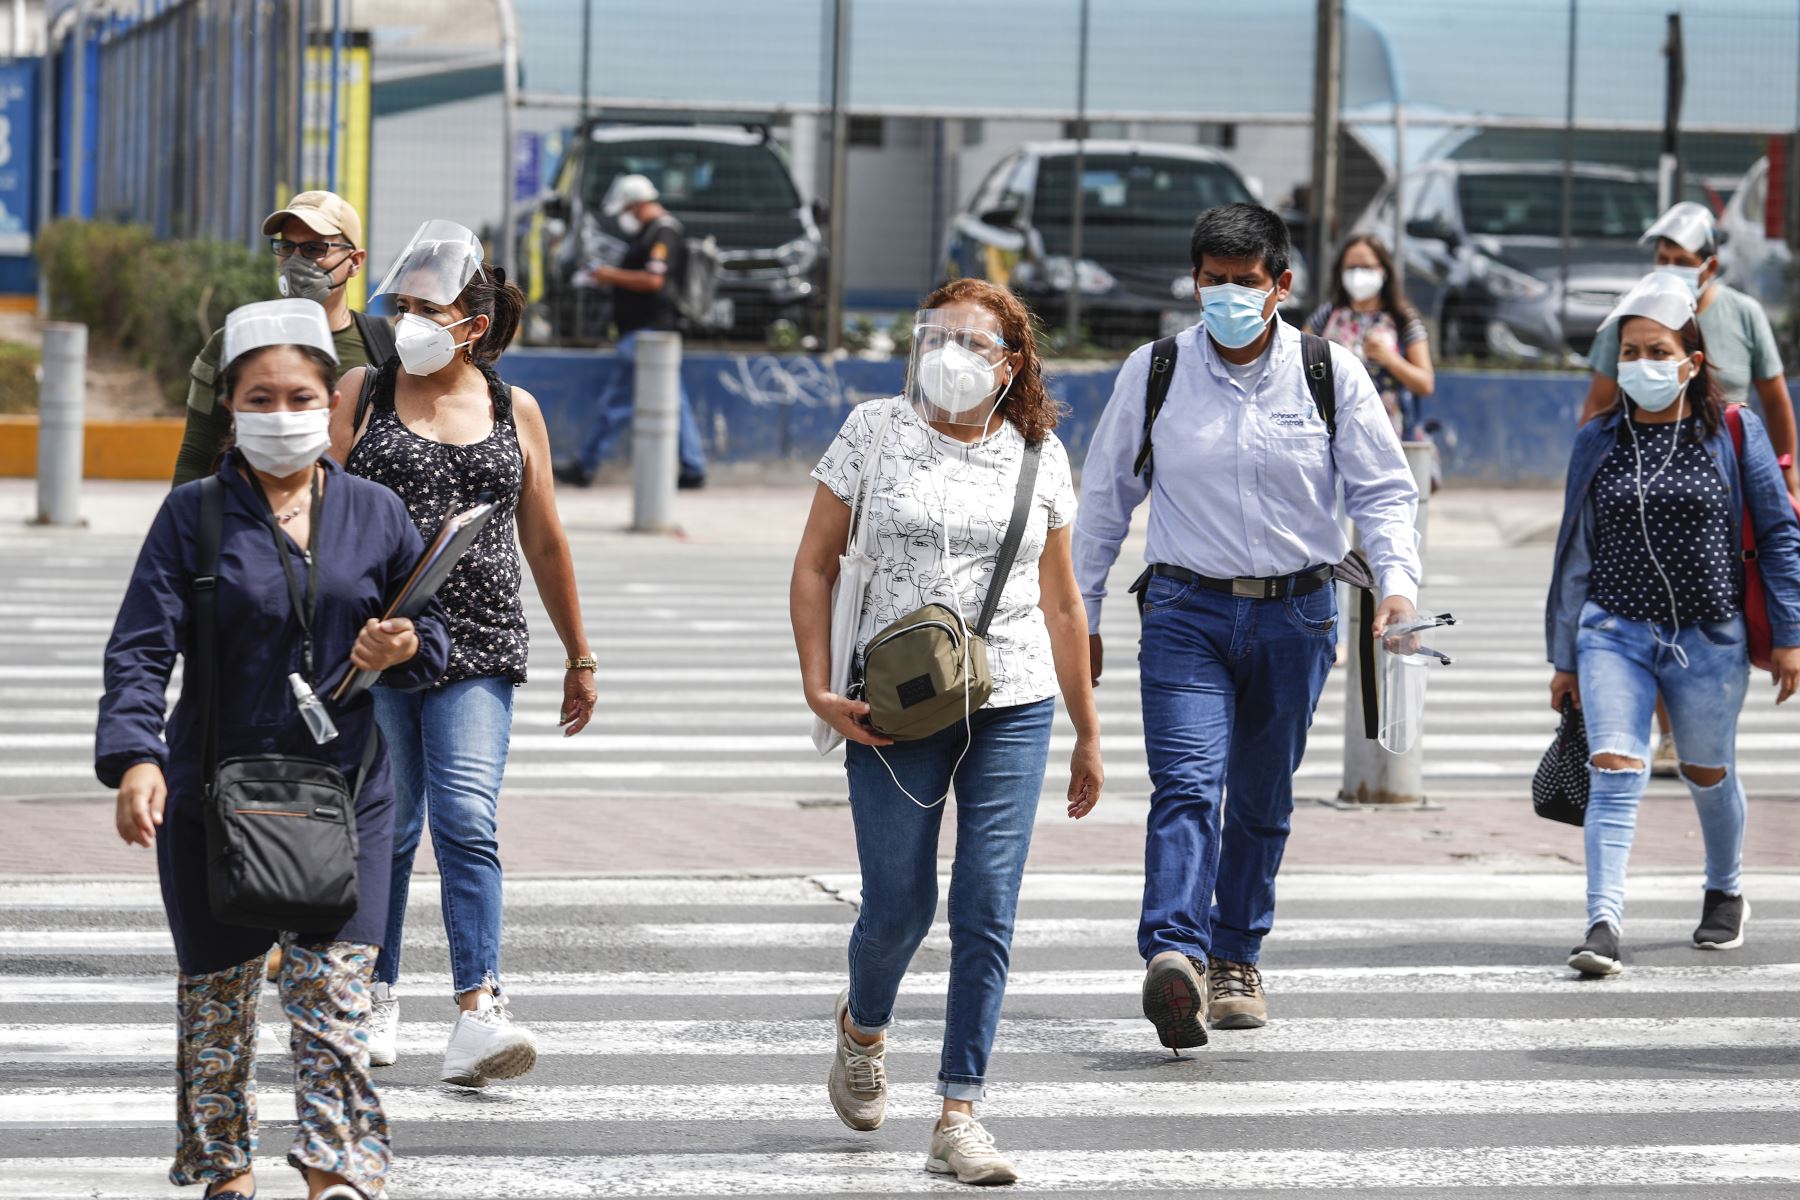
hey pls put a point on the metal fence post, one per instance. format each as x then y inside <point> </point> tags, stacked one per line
<point>61,398</point>
<point>1372,776</point>
<point>655,426</point>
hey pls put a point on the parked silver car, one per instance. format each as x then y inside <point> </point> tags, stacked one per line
<point>1484,255</point>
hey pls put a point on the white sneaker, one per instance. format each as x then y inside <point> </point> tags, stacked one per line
<point>383,1026</point>
<point>858,1080</point>
<point>961,1147</point>
<point>486,1045</point>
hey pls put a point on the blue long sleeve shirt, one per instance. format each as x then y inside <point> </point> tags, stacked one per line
<point>367,546</point>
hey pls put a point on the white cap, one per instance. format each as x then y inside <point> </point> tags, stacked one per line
<point>1659,296</point>
<point>627,191</point>
<point>276,323</point>
<point>1688,224</point>
<point>436,265</point>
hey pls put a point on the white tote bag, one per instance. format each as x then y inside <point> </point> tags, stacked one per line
<point>855,568</point>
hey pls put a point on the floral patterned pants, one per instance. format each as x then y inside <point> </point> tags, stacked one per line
<point>325,994</point>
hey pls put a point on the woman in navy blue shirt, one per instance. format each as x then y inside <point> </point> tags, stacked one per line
<point>281,500</point>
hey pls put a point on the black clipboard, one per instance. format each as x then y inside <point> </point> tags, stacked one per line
<point>453,540</point>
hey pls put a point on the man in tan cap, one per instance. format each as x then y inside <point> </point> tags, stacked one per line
<point>318,240</point>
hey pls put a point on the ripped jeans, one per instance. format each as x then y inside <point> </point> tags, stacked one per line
<point>1621,668</point>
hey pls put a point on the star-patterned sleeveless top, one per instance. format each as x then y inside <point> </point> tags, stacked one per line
<point>434,479</point>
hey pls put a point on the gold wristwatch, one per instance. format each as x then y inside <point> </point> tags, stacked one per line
<point>586,662</point>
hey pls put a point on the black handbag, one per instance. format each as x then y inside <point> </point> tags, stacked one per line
<point>1559,789</point>
<point>280,828</point>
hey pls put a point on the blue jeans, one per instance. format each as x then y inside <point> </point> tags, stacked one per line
<point>1229,686</point>
<point>448,746</point>
<point>997,790</point>
<point>1622,668</point>
<point>612,416</point>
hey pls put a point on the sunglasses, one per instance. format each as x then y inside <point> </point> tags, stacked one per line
<point>312,251</point>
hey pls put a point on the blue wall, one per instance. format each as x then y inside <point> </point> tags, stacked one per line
<point>1498,428</point>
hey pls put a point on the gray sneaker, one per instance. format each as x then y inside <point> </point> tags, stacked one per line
<point>960,1146</point>
<point>858,1082</point>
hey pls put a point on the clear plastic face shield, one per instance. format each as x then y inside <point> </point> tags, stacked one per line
<point>1406,665</point>
<point>436,265</point>
<point>961,366</point>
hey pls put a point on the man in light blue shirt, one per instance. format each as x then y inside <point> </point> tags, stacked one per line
<point>1239,615</point>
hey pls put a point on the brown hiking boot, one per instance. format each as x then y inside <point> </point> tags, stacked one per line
<point>1175,1000</point>
<point>1235,996</point>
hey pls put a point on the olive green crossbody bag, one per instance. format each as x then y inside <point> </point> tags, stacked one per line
<point>929,669</point>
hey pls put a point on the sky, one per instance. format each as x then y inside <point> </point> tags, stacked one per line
<point>1241,56</point>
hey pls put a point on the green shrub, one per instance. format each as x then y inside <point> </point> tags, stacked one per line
<point>18,379</point>
<point>153,302</point>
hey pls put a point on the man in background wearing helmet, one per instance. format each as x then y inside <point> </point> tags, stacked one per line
<point>1740,349</point>
<point>318,239</point>
<point>643,287</point>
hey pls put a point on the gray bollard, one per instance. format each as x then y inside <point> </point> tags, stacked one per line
<point>61,397</point>
<point>655,428</point>
<point>1372,776</point>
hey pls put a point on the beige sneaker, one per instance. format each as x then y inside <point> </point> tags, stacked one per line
<point>1175,1000</point>
<point>961,1147</point>
<point>858,1081</point>
<point>1666,763</point>
<point>1235,997</point>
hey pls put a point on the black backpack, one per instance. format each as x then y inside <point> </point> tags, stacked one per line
<point>1315,353</point>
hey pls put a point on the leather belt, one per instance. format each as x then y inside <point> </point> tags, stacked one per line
<point>1273,587</point>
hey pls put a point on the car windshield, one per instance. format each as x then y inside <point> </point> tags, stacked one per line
<point>695,176</point>
<point>1530,205</point>
<point>1130,189</point>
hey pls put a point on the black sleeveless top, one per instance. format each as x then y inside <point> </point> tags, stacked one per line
<point>481,597</point>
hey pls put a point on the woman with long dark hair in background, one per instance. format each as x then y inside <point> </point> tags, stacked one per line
<point>444,431</point>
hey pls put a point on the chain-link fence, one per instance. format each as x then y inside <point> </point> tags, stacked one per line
<point>848,155</point>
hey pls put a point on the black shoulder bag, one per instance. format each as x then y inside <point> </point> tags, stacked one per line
<point>280,829</point>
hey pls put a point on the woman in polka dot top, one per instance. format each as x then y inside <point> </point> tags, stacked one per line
<point>1648,596</point>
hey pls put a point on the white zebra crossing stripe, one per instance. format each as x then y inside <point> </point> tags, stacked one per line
<point>86,1044</point>
<point>1029,933</point>
<point>1564,1167</point>
<point>533,986</point>
<point>119,1107</point>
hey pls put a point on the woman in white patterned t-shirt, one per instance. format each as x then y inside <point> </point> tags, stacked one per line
<point>937,510</point>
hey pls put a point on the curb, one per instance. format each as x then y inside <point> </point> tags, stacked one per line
<point>142,450</point>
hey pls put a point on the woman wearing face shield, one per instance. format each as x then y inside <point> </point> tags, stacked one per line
<point>938,505</point>
<point>442,430</point>
<point>307,557</point>
<point>1647,597</point>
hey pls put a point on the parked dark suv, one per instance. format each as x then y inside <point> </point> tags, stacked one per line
<point>1139,201</point>
<point>732,184</point>
<point>1484,253</point>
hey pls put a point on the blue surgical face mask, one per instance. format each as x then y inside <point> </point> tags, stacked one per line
<point>1233,314</point>
<point>1652,386</point>
<point>1687,275</point>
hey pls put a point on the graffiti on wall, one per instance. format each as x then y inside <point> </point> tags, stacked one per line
<point>766,381</point>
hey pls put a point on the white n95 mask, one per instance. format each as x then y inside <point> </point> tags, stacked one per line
<point>282,443</point>
<point>1363,283</point>
<point>955,379</point>
<point>425,346</point>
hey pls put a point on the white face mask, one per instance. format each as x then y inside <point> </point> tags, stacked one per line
<point>955,379</point>
<point>629,225</point>
<point>1687,275</point>
<point>282,443</point>
<point>425,346</point>
<point>1363,283</point>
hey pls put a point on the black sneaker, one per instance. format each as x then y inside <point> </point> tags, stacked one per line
<point>1722,919</point>
<point>1175,1000</point>
<point>690,481</point>
<point>1599,955</point>
<point>573,473</point>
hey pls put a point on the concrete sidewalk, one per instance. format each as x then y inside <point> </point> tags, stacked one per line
<point>750,509</point>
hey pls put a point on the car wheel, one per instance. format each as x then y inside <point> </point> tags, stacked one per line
<point>1463,335</point>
